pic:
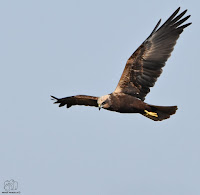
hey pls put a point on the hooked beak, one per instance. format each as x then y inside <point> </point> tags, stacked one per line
<point>99,105</point>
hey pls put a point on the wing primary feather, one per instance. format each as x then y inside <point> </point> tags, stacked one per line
<point>178,17</point>
<point>181,21</point>
<point>171,17</point>
<point>155,28</point>
<point>184,26</point>
<point>54,98</point>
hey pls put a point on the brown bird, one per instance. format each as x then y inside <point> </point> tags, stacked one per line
<point>141,72</point>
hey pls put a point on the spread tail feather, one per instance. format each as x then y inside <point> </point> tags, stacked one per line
<point>159,113</point>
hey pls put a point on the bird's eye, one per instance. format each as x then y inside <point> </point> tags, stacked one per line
<point>103,103</point>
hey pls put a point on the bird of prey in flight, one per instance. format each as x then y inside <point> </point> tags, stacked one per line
<point>140,73</point>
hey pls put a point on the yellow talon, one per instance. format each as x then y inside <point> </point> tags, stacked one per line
<point>151,113</point>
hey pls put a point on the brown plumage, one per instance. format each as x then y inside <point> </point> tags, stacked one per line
<point>141,72</point>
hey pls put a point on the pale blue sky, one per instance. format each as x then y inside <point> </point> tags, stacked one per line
<point>65,48</point>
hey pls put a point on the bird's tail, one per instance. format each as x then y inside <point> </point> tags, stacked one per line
<point>159,113</point>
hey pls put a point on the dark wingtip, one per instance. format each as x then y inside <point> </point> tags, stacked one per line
<point>54,98</point>
<point>184,26</point>
<point>69,105</point>
<point>60,102</point>
<point>177,10</point>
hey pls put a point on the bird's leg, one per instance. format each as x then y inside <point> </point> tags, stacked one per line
<point>151,113</point>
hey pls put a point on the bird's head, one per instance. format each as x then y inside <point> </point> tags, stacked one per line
<point>104,102</point>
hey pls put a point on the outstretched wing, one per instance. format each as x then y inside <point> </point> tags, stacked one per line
<point>145,64</point>
<point>76,100</point>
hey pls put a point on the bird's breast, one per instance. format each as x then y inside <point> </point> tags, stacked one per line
<point>126,104</point>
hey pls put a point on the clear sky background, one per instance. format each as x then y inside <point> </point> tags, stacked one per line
<point>65,48</point>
